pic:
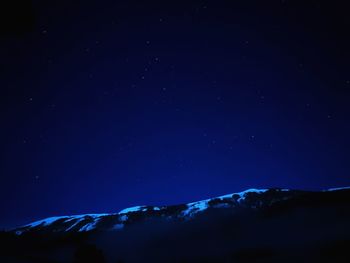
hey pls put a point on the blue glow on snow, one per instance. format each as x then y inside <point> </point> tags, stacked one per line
<point>132,209</point>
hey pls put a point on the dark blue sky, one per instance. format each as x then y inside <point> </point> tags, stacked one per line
<point>110,104</point>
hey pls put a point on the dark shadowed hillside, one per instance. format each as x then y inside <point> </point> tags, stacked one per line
<point>275,225</point>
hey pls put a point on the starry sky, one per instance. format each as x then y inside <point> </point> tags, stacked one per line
<point>110,104</point>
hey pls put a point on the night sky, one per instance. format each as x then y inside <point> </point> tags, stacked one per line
<point>110,104</point>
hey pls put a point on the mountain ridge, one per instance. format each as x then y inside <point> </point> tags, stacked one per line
<point>248,199</point>
<point>257,225</point>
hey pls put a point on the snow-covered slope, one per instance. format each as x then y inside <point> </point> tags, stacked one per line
<point>249,199</point>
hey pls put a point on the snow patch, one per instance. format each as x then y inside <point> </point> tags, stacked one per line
<point>51,220</point>
<point>45,222</point>
<point>200,206</point>
<point>337,189</point>
<point>142,208</point>
<point>195,207</point>
<point>89,226</point>
<point>284,190</point>
<point>242,195</point>
<point>132,209</point>
<point>74,225</point>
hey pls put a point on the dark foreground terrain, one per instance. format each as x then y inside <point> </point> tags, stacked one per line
<point>275,225</point>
